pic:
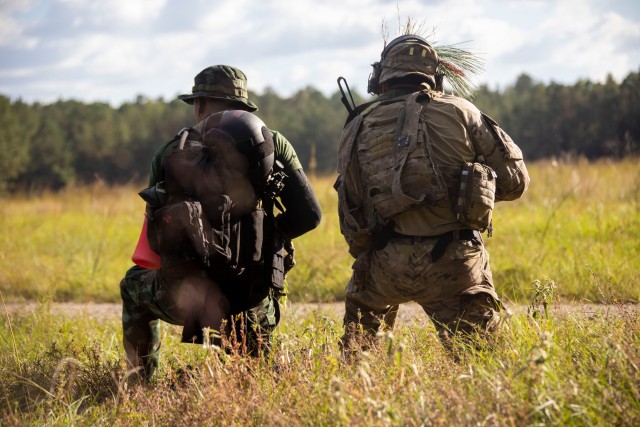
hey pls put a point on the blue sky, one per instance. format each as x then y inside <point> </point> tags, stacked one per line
<point>114,50</point>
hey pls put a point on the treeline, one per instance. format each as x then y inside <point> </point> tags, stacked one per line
<point>587,119</point>
<point>70,142</point>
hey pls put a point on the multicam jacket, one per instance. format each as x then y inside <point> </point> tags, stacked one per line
<point>385,148</point>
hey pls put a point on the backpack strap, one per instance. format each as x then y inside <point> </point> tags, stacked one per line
<point>358,110</point>
<point>406,141</point>
<point>184,134</point>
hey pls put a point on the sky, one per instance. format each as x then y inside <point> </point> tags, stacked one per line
<point>115,50</point>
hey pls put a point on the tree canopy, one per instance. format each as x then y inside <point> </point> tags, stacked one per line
<point>71,142</point>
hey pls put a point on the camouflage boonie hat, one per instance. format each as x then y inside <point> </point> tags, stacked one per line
<point>220,82</point>
<point>406,56</point>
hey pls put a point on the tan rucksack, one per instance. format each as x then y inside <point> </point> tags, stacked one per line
<point>393,164</point>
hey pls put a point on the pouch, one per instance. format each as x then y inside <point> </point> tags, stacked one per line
<point>476,195</point>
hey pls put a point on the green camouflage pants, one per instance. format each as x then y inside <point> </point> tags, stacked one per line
<point>456,291</point>
<point>194,302</point>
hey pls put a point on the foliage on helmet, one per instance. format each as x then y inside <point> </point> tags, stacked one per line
<point>413,55</point>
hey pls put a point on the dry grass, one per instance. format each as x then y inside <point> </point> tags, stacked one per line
<point>574,235</point>
<point>579,224</point>
<point>543,370</point>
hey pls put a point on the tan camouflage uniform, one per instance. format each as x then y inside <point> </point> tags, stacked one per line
<point>456,290</point>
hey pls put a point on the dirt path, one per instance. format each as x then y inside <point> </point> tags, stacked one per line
<point>407,312</point>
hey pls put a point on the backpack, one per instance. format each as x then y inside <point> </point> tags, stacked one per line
<point>398,166</point>
<point>217,197</point>
<point>386,167</point>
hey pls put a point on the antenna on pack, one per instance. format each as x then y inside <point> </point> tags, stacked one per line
<point>350,106</point>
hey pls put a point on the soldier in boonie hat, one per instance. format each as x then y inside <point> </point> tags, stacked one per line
<point>195,293</point>
<point>221,82</point>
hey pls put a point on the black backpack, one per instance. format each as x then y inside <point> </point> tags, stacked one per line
<point>220,183</point>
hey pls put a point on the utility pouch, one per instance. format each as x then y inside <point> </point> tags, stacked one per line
<point>277,266</point>
<point>183,228</point>
<point>253,235</point>
<point>290,257</point>
<point>475,197</point>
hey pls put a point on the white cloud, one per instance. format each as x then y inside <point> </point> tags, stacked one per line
<point>11,29</point>
<point>133,11</point>
<point>116,49</point>
<point>224,21</point>
<point>115,12</point>
<point>590,42</point>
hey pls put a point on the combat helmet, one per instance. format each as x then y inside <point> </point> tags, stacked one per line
<point>248,134</point>
<point>225,150</point>
<point>407,55</point>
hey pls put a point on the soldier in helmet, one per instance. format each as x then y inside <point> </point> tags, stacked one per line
<point>419,172</point>
<point>211,218</point>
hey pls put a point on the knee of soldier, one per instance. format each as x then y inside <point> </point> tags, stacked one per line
<point>481,311</point>
<point>134,281</point>
<point>260,320</point>
<point>361,318</point>
<point>124,290</point>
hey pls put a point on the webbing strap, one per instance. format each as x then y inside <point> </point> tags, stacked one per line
<point>406,142</point>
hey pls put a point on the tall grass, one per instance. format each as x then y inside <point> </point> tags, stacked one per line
<point>559,369</point>
<point>579,224</point>
<point>69,246</point>
<point>573,235</point>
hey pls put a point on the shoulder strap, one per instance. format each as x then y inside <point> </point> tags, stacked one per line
<point>358,110</point>
<point>406,141</point>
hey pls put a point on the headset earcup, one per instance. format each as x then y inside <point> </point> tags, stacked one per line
<point>373,86</point>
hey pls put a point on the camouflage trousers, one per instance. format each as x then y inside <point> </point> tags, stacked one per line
<point>195,302</point>
<point>456,291</point>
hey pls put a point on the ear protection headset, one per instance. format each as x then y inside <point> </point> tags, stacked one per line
<point>373,85</point>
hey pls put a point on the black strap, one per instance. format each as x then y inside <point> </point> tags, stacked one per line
<point>382,236</point>
<point>441,246</point>
<point>442,241</point>
<point>445,239</point>
<point>359,109</point>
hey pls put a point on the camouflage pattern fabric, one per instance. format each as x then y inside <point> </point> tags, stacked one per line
<point>148,297</point>
<point>413,57</point>
<point>427,248</point>
<point>456,291</point>
<point>221,82</point>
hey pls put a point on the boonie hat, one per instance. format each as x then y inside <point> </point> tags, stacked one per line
<point>220,82</point>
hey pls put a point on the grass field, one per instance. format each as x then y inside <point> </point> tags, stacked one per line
<point>573,237</point>
<point>560,370</point>
<point>579,225</point>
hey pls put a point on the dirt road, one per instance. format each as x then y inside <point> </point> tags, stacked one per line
<point>407,312</point>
